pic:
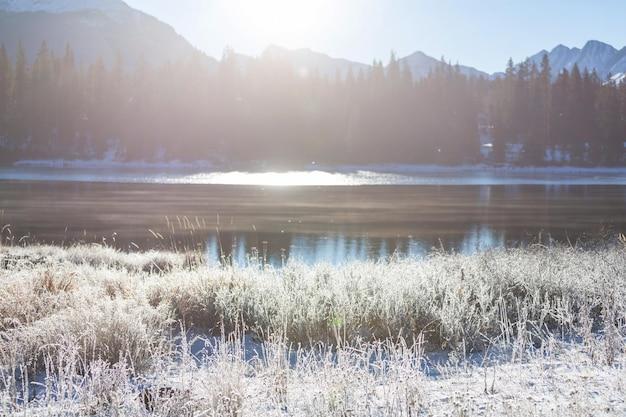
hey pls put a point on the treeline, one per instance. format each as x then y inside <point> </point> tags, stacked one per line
<point>576,118</point>
<point>267,112</point>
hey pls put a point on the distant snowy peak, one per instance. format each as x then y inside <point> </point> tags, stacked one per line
<point>595,55</point>
<point>421,65</point>
<point>62,6</point>
<point>306,61</point>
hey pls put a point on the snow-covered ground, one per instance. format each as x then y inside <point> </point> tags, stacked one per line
<point>564,384</point>
<point>619,78</point>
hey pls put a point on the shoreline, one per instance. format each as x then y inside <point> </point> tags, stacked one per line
<point>206,173</point>
<point>263,167</point>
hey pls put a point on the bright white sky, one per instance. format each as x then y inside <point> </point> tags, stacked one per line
<point>479,33</point>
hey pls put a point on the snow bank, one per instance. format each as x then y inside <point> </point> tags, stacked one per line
<point>505,168</point>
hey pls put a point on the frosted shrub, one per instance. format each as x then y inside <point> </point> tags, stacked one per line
<point>88,330</point>
<point>450,299</point>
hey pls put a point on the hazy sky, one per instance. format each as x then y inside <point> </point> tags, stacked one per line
<point>480,33</point>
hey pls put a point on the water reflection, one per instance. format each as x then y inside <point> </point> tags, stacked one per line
<point>309,224</point>
<point>335,248</point>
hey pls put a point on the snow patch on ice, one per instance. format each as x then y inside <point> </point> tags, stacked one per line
<point>503,168</point>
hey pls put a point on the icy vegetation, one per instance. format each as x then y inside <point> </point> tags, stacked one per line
<point>90,331</point>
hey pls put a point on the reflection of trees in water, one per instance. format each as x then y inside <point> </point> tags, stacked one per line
<point>323,224</point>
<point>337,248</point>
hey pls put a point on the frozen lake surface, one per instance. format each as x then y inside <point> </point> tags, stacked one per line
<point>85,171</point>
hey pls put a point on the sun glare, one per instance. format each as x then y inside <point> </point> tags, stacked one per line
<point>275,179</point>
<point>291,178</point>
<point>284,21</point>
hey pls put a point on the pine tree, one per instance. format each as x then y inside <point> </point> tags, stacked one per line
<point>559,116</point>
<point>377,76</point>
<point>18,125</point>
<point>521,106</point>
<point>576,116</point>
<point>545,100</point>
<point>540,109</point>
<point>42,99</point>
<point>69,114</point>
<point>502,112</point>
<point>591,83</point>
<point>609,121</point>
<point>623,118</point>
<point>394,74</point>
<point>6,76</point>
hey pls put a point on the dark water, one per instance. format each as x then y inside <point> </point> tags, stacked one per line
<point>314,224</point>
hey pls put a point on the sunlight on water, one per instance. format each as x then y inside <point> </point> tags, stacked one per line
<point>292,178</point>
<point>411,175</point>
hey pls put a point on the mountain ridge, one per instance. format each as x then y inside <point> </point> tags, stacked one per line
<point>107,28</point>
<point>595,55</point>
<point>95,29</point>
<point>306,61</point>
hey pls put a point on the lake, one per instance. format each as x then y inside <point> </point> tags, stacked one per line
<point>330,223</point>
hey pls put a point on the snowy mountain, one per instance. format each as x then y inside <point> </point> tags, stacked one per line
<point>595,55</point>
<point>421,65</point>
<point>602,57</point>
<point>108,28</point>
<point>306,61</point>
<point>94,28</point>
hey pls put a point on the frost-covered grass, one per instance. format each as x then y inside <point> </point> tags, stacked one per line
<point>89,330</point>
